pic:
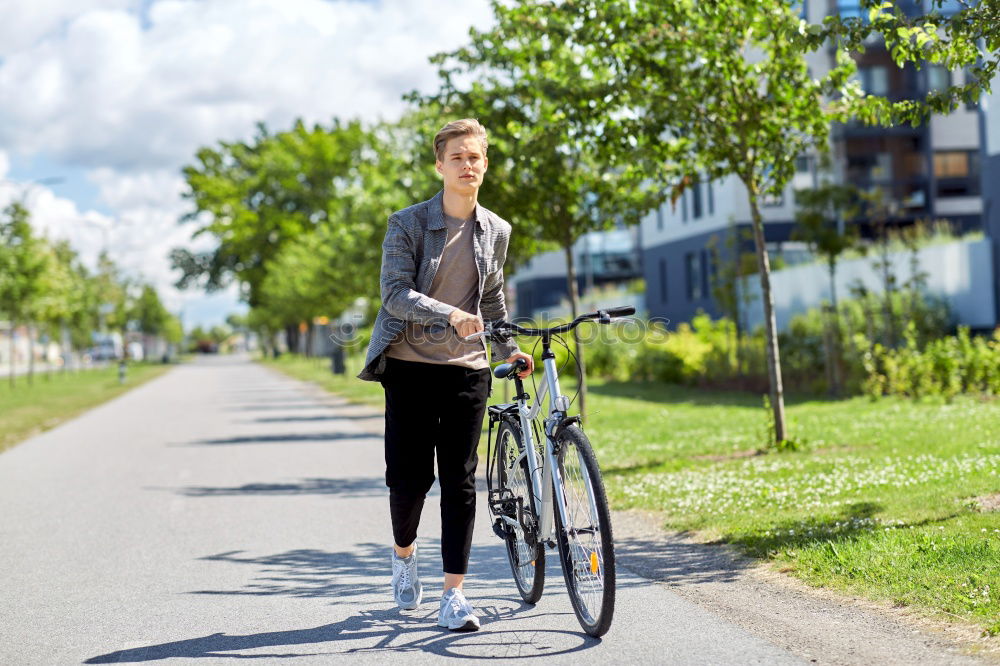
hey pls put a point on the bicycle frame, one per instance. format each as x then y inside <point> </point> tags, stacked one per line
<point>544,476</point>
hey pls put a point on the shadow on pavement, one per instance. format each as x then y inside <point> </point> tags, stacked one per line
<point>310,419</point>
<point>342,577</point>
<point>378,631</point>
<point>677,562</point>
<point>276,407</point>
<point>283,438</point>
<point>350,487</point>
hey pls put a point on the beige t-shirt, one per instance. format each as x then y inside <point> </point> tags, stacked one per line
<point>455,283</point>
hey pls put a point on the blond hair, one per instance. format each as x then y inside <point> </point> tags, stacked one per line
<point>463,127</point>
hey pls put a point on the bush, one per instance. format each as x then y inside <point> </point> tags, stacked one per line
<point>943,368</point>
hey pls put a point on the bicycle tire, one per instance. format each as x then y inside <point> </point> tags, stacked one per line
<point>586,549</point>
<point>527,562</point>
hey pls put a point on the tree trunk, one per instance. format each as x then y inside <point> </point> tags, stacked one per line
<point>887,280</point>
<point>770,324</point>
<point>31,355</point>
<point>574,299</point>
<point>13,325</point>
<point>837,378</point>
<point>833,283</point>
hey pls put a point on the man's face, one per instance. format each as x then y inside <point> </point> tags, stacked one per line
<point>464,164</point>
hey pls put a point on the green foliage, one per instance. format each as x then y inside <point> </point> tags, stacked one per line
<point>944,367</point>
<point>45,285</point>
<point>299,215</point>
<point>148,313</point>
<point>24,262</point>
<point>561,164</point>
<point>821,221</point>
<point>968,38</point>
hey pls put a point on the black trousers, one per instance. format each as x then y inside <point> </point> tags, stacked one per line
<point>432,409</point>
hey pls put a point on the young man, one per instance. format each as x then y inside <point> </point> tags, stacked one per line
<point>442,275</point>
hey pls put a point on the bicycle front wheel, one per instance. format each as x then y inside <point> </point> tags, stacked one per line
<point>585,542</point>
<point>524,549</point>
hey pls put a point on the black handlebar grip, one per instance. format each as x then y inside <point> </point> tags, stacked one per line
<point>621,311</point>
<point>505,370</point>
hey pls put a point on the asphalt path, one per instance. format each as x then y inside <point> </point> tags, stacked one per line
<point>224,511</point>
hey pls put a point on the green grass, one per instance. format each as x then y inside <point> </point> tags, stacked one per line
<point>27,410</point>
<point>879,503</point>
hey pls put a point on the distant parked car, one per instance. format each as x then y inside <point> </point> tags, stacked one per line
<point>103,351</point>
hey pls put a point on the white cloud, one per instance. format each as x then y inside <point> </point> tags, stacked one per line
<point>26,22</point>
<point>131,96</point>
<point>106,92</point>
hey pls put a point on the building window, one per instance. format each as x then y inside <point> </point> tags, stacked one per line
<point>957,173</point>
<point>768,200</point>
<point>663,280</point>
<point>938,78</point>
<point>852,9</point>
<point>874,79</point>
<point>696,210</point>
<point>692,270</point>
<point>659,218</point>
<point>711,199</point>
<point>684,207</point>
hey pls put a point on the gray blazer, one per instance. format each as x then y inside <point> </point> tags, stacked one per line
<point>411,253</point>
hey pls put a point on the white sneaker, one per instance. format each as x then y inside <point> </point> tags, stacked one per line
<point>456,612</point>
<point>406,587</point>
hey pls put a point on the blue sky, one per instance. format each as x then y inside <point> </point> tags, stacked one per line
<point>114,97</point>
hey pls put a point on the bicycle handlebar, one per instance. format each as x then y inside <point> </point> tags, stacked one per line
<point>601,316</point>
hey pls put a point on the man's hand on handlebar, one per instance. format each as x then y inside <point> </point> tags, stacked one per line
<point>527,359</point>
<point>465,324</point>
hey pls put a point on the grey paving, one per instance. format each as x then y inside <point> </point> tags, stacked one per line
<point>226,512</point>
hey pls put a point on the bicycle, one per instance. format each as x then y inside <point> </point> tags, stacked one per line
<point>547,491</point>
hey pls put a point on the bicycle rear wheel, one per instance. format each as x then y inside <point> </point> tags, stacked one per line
<point>524,550</point>
<point>585,542</point>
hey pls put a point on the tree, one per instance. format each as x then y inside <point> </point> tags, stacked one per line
<point>74,307</point>
<point>299,215</point>
<point>254,197</point>
<point>821,222</point>
<point>23,264</point>
<point>148,313</point>
<point>560,168</point>
<point>114,300</point>
<point>722,88</point>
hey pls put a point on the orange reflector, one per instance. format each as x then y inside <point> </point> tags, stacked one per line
<point>532,563</point>
<point>593,562</point>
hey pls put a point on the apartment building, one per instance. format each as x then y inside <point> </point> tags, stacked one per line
<point>990,125</point>
<point>599,258</point>
<point>938,170</point>
<point>931,171</point>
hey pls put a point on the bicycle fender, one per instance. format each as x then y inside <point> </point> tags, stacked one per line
<point>566,422</point>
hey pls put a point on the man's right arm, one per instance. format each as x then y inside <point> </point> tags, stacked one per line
<point>398,280</point>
